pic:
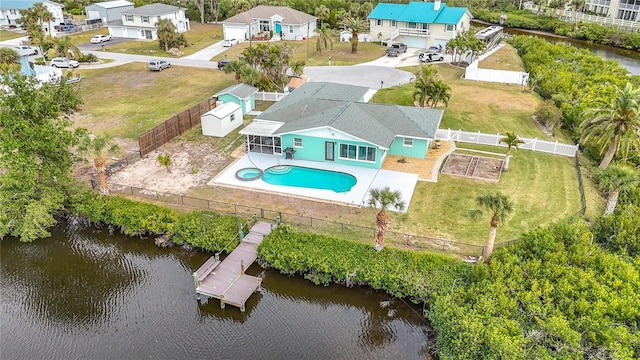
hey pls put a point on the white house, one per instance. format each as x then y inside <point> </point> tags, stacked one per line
<point>418,24</point>
<point>140,23</point>
<point>264,21</point>
<point>108,10</point>
<point>10,12</point>
<point>221,120</point>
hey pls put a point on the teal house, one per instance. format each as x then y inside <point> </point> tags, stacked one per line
<point>241,94</point>
<point>330,123</point>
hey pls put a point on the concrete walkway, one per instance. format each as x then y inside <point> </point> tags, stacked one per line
<point>207,53</point>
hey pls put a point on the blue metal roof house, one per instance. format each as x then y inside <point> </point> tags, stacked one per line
<point>418,24</point>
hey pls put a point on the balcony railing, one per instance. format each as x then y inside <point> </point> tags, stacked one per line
<point>415,32</point>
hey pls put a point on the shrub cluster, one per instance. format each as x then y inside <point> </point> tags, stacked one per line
<point>324,259</point>
<point>203,229</point>
<point>552,295</point>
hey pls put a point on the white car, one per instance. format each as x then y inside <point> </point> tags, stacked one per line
<point>229,42</point>
<point>62,62</point>
<point>97,39</point>
<point>28,49</point>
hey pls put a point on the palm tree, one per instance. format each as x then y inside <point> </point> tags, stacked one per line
<point>44,15</point>
<point>166,33</point>
<point>165,160</point>
<point>98,147</point>
<point>577,5</point>
<point>235,66</point>
<point>616,124</point>
<point>356,26</point>
<point>324,38</point>
<point>297,67</point>
<point>438,91</point>
<point>9,60</point>
<point>426,75</point>
<point>382,199</point>
<point>511,139</point>
<point>322,13</point>
<point>500,206</point>
<point>614,180</point>
<point>63,46</point>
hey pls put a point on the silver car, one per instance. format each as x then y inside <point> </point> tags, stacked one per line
<point>158,65</point>
<point>63,62</point>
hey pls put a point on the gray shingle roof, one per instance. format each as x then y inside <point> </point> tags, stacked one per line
<point>290,16</point>
<point>378,124</point>
<point>241,91</point>
<point>152,10</point>
<point>321,90</point>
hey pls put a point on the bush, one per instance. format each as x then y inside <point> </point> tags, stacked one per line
<point>208,230</point>
<point>88,58</point>
<point>548,114</point>
<point>554,295</point>
<point>324,259</point>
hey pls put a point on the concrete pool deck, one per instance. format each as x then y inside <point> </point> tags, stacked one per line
<point>358,195</point>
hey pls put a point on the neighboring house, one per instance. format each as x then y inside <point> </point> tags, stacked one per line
<point>41,72</point>
<point>108,10</point>
<point>330,123</point>
<point>616,9</point>
<point>140,23</point>
<point>241,94</point>
<point>345,36</point>
<point>221,120</point>
<point>10,12</point>
<point>418,24</point>
<point>262,20</point>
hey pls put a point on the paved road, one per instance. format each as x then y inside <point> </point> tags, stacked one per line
<point>374,75</point>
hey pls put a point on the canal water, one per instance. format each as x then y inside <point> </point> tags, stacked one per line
<point>89,295</point>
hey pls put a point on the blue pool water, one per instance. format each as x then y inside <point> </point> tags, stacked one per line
<point>309,178</point>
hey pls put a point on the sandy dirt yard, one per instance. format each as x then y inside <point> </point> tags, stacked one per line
<point>191,165</point>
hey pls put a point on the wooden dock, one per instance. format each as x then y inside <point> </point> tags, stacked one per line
<point>226,280</point>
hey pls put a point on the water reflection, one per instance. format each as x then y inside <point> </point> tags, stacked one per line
<point>88,295</point>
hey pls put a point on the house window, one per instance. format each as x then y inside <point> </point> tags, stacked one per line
<point>412,25</point>
<point>129,18</point>
<point>450,27</point>
<point>232,117</point>
<point>394,23</point>
<point>408,142</point>
<point>264,25</point>
<point>357,152</point>
<point>379,22</point>
<point>297,142</point>
<point>13,12</point>
<point>145,19</point>
<point>290,29</point>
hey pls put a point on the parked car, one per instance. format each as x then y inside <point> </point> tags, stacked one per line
<point>396,48</point>
<point>63,62</point>
<point>97,39</point>
<point>430,56</point>
<point>30,50</point>
<point>222,63</point>
<point>229,42</point>
<point>435,48</point>
<point>158,65</point>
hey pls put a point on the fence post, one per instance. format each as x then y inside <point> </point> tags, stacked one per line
<point>208,205</point>
<point>497,139</point>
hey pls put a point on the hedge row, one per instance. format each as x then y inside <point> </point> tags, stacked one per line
<point>324,259</point>
<point>203,229</point>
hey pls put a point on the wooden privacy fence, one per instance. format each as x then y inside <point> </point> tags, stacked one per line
<point>173,127</point>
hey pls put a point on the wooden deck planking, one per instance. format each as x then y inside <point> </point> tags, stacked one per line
<point>227,282</point>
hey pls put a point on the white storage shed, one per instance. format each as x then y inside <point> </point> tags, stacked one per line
<point>221,120</point>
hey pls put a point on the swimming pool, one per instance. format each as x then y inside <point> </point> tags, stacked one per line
<point>304,177</point>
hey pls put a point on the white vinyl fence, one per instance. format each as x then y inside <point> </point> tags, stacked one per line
<point>553,147</point>
<point>269,96</point>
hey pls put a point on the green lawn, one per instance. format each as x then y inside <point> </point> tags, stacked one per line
<point>126,100</point>
<point>8,35</point>
<point>543,187</point>
<point>340,54</point>
<point>199,37</point>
